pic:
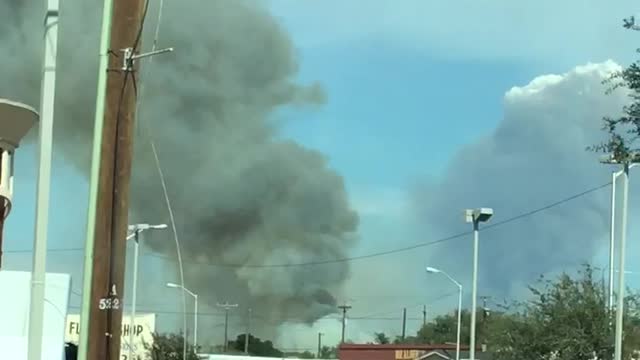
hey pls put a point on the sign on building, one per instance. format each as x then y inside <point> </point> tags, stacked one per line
<point>143,329</point>
<point>14,314</point>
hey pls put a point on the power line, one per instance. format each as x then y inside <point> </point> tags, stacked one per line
<point>371,255</point>
<point>403,249</point>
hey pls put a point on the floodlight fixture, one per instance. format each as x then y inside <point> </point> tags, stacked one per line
<point>478,215</point>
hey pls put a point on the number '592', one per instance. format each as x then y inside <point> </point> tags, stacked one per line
<point>108,304</point>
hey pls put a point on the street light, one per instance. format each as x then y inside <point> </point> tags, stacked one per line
<point>195,320</point>
<point>476,217</point>
<point>437,271</point>
<point>136,230</point>
<point>16,119</point>
<point>614,177</point>
<point>626,163</point>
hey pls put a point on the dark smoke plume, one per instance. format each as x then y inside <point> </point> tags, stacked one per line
<point>241,195</point>
<point>534,157</point>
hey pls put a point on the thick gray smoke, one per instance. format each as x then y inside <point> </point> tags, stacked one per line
<point>241,195</point>
<point>535,156</point>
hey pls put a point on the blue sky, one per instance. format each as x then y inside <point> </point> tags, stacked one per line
<point>407,86</point>
<point>385,106</point>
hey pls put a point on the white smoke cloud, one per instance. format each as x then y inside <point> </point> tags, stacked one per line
<point>536,156</point>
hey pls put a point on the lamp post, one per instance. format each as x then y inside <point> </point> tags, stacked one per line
<point>136,230</point>
<point>16,119</point>
<point>195,320</point>
<point>614,177</point>
<point>45,151</point>
<point>437,271</point>
<point>475,216</point>
<point>626,163</point>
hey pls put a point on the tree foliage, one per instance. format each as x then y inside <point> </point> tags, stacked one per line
<point>568,317</point>
<point>169,347</point>
<point>257,347</point>
<point>624,130</point>
<point>381,338</point>
<point>301,355</point>
<point>565,318</point>
<point>443,329</point>
<point>328,352</point>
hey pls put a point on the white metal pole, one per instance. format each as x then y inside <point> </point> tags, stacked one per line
<point>45,149</point>
<point>134,292</point>
<point>459,322</point>
<point>621,270</point>
<point>474,290</point>
<point>195,324</point>
<point>614,177</point>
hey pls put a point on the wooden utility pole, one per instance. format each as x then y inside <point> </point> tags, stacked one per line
<point>404,323</point>
<point>319,345</point>
<point>112,209</point>
<point>424,316</point>
<point>344,309</point>
<point>247,333</point>
<point>226,306</point>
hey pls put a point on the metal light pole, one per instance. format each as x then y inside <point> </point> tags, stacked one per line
<point>476,217</point>
<point>614,177</point>
<point>45,149</point>
<point>195,311</point>
<point>136,230</point>
<point>319,345</point>
<point>626,163</point>
<point>437,271</point>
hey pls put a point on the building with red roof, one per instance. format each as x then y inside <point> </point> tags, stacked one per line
<point>403,352</point>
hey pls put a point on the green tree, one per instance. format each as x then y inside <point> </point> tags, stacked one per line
<point>301,355</point>
<point>566,318</point>
<point>381,338</point>
<point>624,130</point>
<point>257,347</point>
<point>169,347</point>
<point>443,329</point>
<point>328,352</point>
